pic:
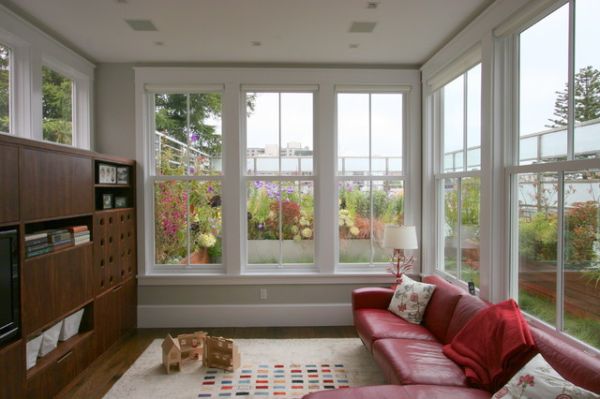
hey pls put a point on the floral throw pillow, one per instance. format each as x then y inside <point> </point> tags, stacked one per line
<point>538,380</point>
<point>410,299</point>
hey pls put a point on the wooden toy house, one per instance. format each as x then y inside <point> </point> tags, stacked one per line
<point>192,345</point>
<point>221,353</point>
<point>171,353</point>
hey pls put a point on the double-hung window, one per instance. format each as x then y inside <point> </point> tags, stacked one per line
<point>279,177</point>
<point>57,107</point>
<point>187,178</point>
<point>457,115</point>
<point>555,172</point>
<point>370,172</point>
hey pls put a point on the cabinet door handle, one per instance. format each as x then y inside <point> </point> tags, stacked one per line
<point>66,355</point>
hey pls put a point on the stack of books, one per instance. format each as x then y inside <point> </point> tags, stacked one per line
<point>60,238</point>
<point>81,234</point>
<point>37,244</point>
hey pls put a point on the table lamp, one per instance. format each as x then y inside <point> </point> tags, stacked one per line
<point>400,238</point>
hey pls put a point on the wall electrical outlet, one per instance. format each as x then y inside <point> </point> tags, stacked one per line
<point>263,293</point>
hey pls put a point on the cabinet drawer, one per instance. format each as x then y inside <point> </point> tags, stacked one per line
<point>56,284</point>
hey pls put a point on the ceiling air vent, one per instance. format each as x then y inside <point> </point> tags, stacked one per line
<point>362,27</point>
<point>144,25</point>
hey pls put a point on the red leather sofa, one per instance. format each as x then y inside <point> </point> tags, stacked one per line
<point>410,356</point>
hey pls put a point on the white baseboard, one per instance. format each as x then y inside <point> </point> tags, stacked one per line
<point>283,315</point>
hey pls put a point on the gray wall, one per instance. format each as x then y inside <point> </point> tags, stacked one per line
<point>114,110</point>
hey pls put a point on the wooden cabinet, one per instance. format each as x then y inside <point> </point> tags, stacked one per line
<point>12,372</point>
<point>49,187</point>
<point>9,181</point>
<point>56,184</point>
<point>54,285</point>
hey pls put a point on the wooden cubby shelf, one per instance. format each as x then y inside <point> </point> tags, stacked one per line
<point>52,187</point>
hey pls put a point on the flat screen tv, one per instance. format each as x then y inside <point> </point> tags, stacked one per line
<point>9,285</point>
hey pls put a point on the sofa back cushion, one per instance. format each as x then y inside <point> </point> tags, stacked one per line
<point>570,362</point>
<point>441,306</point>
<point>467,307</point>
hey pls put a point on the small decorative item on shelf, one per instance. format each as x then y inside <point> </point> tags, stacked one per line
<point>400,238</point>
<point>107,201</point>
<point>122,175</point>
<point>107,174</point>
<point>120,202</point>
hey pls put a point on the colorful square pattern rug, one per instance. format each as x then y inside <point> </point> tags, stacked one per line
<point>274,368</point>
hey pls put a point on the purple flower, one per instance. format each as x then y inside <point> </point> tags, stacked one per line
<point>261,226</point>
<point>210,189</point>
<point>192,170</point>
<point>194,137</point>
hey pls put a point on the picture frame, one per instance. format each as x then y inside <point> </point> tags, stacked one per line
<point>107,174</point>
<point>120,202</point>
<point>122,175</point>
<point>107,201</point>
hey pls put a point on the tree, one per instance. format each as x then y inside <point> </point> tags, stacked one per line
<point>587,99</point>
<point>4,89</point>
<point>56,107</point>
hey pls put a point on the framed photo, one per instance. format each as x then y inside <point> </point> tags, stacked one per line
<point>122,175</point>
<point>107,201</point>
<point>107,174</point>
<point>120,202</point>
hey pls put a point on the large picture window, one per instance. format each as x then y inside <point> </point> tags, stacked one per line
<point>187,179</point>
<point>57,107</point>
<point>5,89</point>
<point>458,118</point>
<point>280,178</point>
<point>370,130</point>
<point>556,179</point>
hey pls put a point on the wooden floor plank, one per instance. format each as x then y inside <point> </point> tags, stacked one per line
<point>100,376</point>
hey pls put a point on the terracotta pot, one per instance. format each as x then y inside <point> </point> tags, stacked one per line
<point>197,257</point>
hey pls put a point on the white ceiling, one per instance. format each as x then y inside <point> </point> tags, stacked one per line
<point>408,32</point>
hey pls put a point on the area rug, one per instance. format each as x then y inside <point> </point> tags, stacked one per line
<point>270,368</point>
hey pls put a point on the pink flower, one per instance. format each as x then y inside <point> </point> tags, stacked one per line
<point>402,307</point>
<point>526,380</point>
<point>414,297</point>
<point>501,393</point>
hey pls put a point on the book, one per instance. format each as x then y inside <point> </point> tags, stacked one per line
<point>33,248</point>
<point>77,229</point>
<point>58,247</point>
<point>36,242</point>
<point>36,236</point>
<point>59,238</point>
<point>82,234</point>
<point>39,252</point>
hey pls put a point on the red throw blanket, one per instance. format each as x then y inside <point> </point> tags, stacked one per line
<point>493,346</point>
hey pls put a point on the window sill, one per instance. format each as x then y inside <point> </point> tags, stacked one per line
<point>255,278</point>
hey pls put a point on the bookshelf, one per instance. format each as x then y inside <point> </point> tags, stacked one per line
<point>54,191</point>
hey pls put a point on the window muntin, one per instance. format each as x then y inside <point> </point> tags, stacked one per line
<point>370,168</point>
<point>187,145</point>
<point>5,88</point>
<point>555,237</point>
<point>279,178</point>
<point>57,103</point>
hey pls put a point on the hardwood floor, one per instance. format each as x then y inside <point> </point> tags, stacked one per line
<point>100,376</point>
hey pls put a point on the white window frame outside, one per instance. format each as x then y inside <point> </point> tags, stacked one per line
<point>406,183</point>
<point>246,178</point>
<point>509,45</point>
<point>440,174</point>
<point>235,81</point>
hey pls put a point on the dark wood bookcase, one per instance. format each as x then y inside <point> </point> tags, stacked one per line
<point>46,186</point>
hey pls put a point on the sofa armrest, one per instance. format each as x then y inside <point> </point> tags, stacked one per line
<point>371,297</point>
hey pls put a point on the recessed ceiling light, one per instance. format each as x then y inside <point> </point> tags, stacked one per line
<point>159,43</point>
<point>362,27</point>
<point>353,45</point>
<point>371,5</point>
<point>256,43</point>
<point>144,25</point>
<point>121,1</point>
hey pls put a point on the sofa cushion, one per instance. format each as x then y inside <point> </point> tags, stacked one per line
<point>410,299</point>
<point>401,392</point>
<point>467,307</point>
<point>371,297</point>
<point>575,365</point>
<point>493,346</point>
<point>374,324</point>
<point>409,362</point>
<point>441,306</point>
<point>538,380</point>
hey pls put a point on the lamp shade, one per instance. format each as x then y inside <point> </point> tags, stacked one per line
<point>400,237</point>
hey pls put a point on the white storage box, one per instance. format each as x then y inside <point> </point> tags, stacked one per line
<point>33,350</point>
<point>71,325</point>
<point>50,338</point>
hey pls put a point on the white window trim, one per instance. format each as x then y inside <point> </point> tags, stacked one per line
<point>234,79</point>
<point>33,48</point>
